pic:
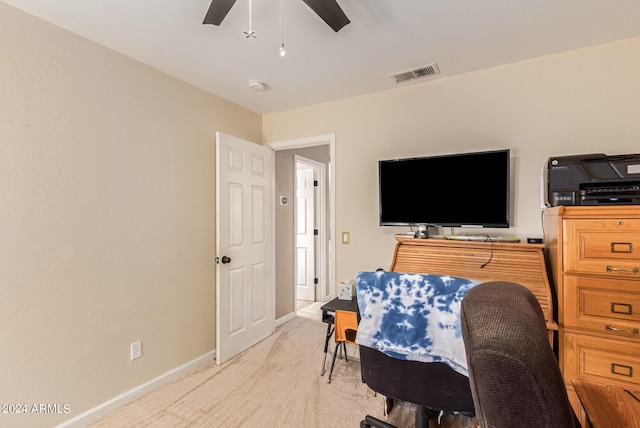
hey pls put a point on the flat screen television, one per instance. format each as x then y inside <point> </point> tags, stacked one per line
<point>456,190</point>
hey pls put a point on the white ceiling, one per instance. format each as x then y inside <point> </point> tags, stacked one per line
<point>384,37</point>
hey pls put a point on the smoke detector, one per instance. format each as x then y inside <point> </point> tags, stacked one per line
<point>257,85</point>
<point>416,73</point>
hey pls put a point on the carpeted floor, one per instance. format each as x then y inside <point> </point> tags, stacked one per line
<point>276,383</point>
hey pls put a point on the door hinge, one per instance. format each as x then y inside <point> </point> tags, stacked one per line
<point>315,232</point>
<point>315,280</point>
<point>315,183</point>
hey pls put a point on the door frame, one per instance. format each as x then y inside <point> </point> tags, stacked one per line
<point>319,140</point>
<point>320,222</point>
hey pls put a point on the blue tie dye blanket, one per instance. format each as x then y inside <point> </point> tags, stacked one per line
<point>412,316</point>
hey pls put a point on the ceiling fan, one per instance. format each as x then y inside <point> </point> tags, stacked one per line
<point>329,10</point>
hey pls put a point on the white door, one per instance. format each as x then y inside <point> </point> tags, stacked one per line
<point>245,277</point>
<point>305,260</point>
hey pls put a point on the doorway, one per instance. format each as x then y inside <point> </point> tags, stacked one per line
<point>320,149</point>
<point>310,228</point>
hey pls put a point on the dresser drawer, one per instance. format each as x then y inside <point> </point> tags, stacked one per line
<point>606,361</point>
<point>603,247</point>
<point>603,305</point>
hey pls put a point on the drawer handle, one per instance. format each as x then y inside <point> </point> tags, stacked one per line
<point>633,331</point>
<point>615,269</point>
<point>621,308</point>
<point>622,247</point>
<point>622,370</point>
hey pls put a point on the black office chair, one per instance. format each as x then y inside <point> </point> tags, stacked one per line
<point>432,387</point>
<point>514,374</point>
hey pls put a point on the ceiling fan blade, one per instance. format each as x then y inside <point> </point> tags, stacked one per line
<point>330,12</point>
<point>217,11</point>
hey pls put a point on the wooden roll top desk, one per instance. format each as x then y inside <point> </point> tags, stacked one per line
<point>521,263</point>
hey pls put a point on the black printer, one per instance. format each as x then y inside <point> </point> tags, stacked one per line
<point>593,179</point>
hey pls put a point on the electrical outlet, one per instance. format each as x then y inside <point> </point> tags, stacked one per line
<point>136,350</point>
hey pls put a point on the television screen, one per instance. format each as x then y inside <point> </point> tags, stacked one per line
<point>457,190</point>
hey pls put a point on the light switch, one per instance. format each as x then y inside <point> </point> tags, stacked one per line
<point>345,237</point>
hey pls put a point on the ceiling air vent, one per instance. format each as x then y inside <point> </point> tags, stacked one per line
<point>416,73</point>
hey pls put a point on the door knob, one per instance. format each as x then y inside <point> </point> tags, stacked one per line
<point>226,259</point>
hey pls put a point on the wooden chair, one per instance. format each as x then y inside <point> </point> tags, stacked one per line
<point>345,330</point>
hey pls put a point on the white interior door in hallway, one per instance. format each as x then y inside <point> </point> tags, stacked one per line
<point>305,261</point>
<point>310,227</point>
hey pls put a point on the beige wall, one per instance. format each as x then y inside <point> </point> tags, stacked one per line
<point>577,102</point>
<point>107,218</point>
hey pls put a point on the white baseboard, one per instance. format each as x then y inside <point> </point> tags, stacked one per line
<point>128,396</point>
<point>285,318</point>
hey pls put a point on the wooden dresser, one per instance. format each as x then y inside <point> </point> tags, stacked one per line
<point>594,255</point>
<point>482,261</point>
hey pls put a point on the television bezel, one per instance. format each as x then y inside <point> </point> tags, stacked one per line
<point>483,225</point>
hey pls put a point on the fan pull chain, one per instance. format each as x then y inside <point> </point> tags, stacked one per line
<point>250,33</point>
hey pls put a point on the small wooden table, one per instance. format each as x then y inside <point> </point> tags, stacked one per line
<point>608,406</point>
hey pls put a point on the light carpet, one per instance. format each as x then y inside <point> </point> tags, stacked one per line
<point>276,383</point>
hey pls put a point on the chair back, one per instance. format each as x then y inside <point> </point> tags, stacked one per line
<point>514,374</point>
<point>346,326</point>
